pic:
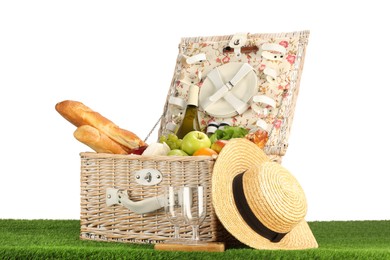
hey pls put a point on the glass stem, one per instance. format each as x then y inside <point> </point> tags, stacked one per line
<point>195,232</point>
<point>177,234</point>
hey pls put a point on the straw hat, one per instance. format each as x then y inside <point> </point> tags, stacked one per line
<point>258,201</point>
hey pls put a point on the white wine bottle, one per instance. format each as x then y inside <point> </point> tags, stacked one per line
<point>190,120</point>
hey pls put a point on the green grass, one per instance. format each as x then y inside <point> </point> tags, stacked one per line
<point>59,239</point>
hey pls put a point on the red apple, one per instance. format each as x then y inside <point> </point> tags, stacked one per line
<point>218,145</point>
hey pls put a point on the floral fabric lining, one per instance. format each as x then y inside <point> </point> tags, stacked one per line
<point>283,88</point>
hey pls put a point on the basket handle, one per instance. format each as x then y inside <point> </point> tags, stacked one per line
<point>116,196</point>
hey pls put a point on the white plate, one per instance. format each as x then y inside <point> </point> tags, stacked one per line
<point>244,90</point>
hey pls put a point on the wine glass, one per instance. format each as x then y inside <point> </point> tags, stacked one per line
<point>194,210</point>
<point>173,209</point>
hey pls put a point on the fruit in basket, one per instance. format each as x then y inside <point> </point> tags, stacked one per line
<point>171,140</point>
<point>177,152</point>
<point>195,140</point>
<point>218,145</point>
<point>205,151</point>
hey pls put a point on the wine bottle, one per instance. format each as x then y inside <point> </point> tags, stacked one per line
<point>190,120</point>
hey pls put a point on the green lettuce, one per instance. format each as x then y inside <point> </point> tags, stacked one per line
<point>228,132</point>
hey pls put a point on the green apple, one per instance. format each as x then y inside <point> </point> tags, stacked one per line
<point>195,140</point>
<point>177,152</point>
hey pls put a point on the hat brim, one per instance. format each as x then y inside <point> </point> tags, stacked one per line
<point>236,157</point>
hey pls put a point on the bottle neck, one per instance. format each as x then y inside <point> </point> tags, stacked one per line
<point>193,95</point>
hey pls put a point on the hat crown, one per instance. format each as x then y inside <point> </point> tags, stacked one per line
<point>274,196</point>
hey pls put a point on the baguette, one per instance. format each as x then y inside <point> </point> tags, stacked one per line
<point>78,114</point>
<point>99,142</point>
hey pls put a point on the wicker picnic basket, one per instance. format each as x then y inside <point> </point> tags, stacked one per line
<point>100,172</point>
<point>110,183</point>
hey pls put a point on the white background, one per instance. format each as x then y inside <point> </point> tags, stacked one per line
<point>118,57</point>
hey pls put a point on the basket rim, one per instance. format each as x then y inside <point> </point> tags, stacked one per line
<point>147,158</point>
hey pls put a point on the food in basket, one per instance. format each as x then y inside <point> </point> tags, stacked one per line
<point>259,137</point>
<point>218,145</point>
<point>157,149</point>
<point>139,150</point>
<point>98,141</point>
<point>177,152</point>
<point>195,140</point>
<point>197,143</point>
<point>171,140</point>
<point>78,114</point>
<point>229,132</point>
<point>205,151</point>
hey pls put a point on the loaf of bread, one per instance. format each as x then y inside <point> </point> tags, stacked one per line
<point>99,142</point>
<point>79,114</point>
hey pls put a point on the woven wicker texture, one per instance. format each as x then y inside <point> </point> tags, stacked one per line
<point>117,223</point>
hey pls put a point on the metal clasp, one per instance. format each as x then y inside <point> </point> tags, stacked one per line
<point>237,42</point>
<point>148,177</point>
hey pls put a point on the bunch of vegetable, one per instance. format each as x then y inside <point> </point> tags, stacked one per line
<point>228,132</point>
